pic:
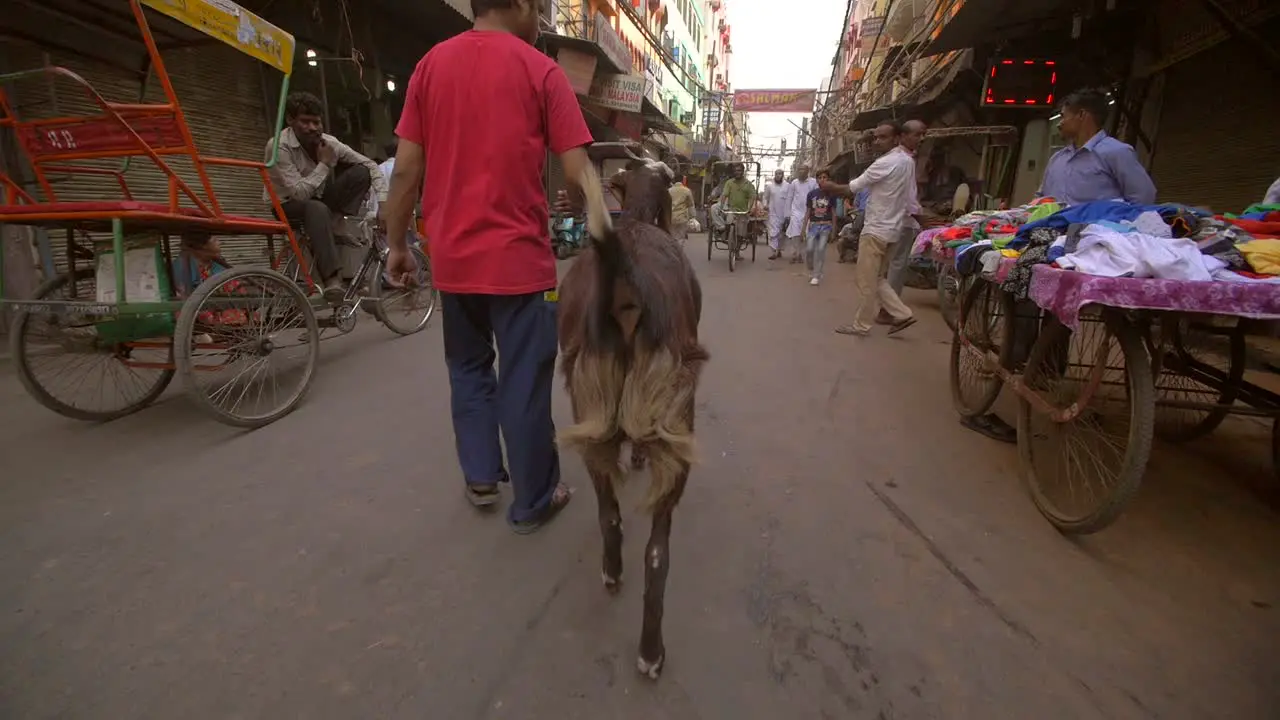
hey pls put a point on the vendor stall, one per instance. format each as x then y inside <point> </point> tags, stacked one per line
<point>1112,322</point>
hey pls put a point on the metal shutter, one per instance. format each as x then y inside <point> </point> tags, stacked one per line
<point>1216,144</point>
<point>220,91</point>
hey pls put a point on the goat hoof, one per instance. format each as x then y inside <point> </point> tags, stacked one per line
<point>650,669</point>
<point>611,584</point>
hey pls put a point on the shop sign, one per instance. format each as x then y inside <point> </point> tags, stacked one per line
<point>871,27</point>
<point>579,67</point>
<point>618,92</point>
<point>629,124</point>
<point>651,88</point>
<point>608,40</point>
<point>788,101</point>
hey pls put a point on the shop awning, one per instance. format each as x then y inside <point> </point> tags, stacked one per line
<point>979,22</point>
<point>604,64</point>
<point>656,120</point>
<point>918,101</point>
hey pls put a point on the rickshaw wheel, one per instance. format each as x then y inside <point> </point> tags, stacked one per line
<point>950,291</point>
<point>1191,352</point>
<point>711,241</point>
<point>755,240</point>
<point>48,349</point>
<point>257,327</point>
<point>406,311</point>
<point>1108,443</point>
<point>988,325</point>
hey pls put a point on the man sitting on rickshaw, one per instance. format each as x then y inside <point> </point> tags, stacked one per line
<point>319,178</point>
<point>736,195</point>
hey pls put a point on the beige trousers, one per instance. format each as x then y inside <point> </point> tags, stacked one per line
<point>874,291</point>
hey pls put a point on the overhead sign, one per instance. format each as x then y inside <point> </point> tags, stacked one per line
<point>618,92</point>
<point>227,22</point>
<point>609,41</point>
<point>1020,82</point>
<point>788,101</point>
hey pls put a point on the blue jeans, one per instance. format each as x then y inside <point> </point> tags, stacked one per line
<point>517,399</point>
<point>816,248</point>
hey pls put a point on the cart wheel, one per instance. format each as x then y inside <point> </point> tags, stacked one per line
<point>988,326</point>
<point>247,344</point>
<point>755,240</point>
<point>1198,364</point>
<point>711,242</point>
<point>950,287</point>
<point>1081,473</point>
<point>733,248</point>
<point>66,367</point>
<point>405,311</point>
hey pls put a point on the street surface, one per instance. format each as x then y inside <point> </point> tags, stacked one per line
<point>844,550</point>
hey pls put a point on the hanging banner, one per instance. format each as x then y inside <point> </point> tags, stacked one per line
<point>788,101</point>
<point>618,92</point>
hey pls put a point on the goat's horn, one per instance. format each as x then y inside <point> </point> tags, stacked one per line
<point>598,220</point>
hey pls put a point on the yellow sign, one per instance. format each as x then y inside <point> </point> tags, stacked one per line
<point>226,21</point>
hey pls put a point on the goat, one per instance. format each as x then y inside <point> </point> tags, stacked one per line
<point>628,334</point>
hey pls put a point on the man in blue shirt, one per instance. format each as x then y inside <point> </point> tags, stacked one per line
<point>1095,166</point>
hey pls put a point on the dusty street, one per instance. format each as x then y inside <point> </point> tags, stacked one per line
<point>845,550</point>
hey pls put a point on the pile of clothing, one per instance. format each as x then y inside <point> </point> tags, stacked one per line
<point>1176,242</point>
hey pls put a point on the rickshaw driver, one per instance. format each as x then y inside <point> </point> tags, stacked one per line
<point>319,177</point>
<point>739,195</point>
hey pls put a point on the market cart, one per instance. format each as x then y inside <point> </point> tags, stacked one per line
<point>1101,365</point>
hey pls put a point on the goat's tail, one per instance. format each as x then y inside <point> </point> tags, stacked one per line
<point>600,226</point>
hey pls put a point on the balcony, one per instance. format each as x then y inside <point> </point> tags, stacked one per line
<point>907,17</point>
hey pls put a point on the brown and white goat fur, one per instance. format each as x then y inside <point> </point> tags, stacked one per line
<point>628,331</point>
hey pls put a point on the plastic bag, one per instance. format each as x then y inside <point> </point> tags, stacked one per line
<point>693,225</point>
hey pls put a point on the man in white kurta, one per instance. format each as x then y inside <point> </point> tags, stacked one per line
<point>777,199</point>
<point>800,189</point>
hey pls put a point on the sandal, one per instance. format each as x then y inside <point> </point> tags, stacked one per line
<point>851,330</point>
<point>482,495</point>
<point>990,425</point>
<point>559,500</point>
<point>901,325</point>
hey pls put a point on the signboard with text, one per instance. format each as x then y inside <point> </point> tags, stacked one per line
<point>787,101</point>
<point>618,92</point>
<point>609,41</point>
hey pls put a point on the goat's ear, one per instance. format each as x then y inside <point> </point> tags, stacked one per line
<point>618,185</point>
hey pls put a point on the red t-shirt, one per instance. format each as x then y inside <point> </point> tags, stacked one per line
<point>486,107</point>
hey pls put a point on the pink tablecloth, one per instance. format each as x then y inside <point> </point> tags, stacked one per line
<point>1065,292</point>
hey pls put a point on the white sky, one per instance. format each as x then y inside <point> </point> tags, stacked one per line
<point>779,46</point>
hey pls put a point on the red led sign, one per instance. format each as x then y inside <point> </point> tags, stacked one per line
<point>1018,82</point>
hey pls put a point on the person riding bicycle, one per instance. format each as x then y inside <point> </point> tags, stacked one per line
<point>738,196</point>
<point>319,177</point>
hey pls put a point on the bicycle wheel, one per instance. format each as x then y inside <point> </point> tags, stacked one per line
<point>1083,472</point>
<point>711,242</point>
<point>950,290</point>
<point>257,327</point>
<point>64,362</point>
<point>733,248</point>
<point>755,240</point>
<point>406,310</point>
<point>1197,365</point>
<point>988,327</point>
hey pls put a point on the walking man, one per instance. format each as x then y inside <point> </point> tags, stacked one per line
<point>913,132</point>
<point>889,180</point>
<point>777,200</point>
<point>681,209</point>
<point>800,189</point>
<point>819,220</point>
<point>480,113</point>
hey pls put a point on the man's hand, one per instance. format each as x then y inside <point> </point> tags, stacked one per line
<point>562,206</point>
<point>326,154</point>
<point>832,188</point>
<point>402,269</point>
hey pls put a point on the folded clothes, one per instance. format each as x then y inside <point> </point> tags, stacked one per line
<point>1263,255</point>
<point>1103,251</point>
<point>1257,228</point>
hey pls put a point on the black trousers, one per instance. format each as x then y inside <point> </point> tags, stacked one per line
<point>344,194</point>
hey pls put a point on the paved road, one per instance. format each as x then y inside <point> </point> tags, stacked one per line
<point>845,550</point>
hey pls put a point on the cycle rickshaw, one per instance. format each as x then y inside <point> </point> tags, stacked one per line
<point>730,237</point>
<point>105,337</point>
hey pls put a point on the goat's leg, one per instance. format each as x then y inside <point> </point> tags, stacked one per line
<point>602,465</point>
<point>656,562</point>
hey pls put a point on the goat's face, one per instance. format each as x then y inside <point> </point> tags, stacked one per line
<point>642,190</point>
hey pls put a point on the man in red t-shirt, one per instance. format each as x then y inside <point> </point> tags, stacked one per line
<point>480,113</point>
